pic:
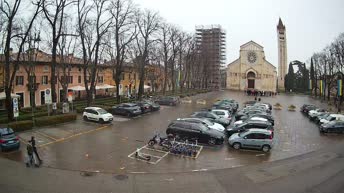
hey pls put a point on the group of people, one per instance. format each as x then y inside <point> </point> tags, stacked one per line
<point>32,158</point>
<point>260,93</point>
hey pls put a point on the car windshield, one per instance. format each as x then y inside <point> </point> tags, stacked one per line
<point>329,118</point>
<point>102,111</point>
<point>6,131</point>
<point>242,133</point>
<point>208,122</point>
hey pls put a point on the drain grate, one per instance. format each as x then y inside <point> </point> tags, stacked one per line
<point>87,174</point>
<point>121,177</point>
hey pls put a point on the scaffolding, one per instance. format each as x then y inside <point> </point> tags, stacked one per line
<point>211,45</point>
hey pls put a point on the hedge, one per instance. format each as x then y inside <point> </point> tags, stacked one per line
<point>42,121</point>
<point>21,125</point>
<point>52,120</point>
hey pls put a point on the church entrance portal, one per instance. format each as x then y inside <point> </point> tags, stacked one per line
<point>251,80</point>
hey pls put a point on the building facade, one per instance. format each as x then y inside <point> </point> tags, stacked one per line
<point>251,71</point>
<point>35,76</point>
<point>282,54</point>
<point>211,45</point>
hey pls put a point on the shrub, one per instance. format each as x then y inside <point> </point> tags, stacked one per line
<point>277,105</point>
<point>52,120</point>
<point>21,125</point>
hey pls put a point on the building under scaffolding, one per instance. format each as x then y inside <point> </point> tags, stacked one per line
<point>211,45</point>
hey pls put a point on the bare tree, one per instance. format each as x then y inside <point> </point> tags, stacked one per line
<point>124,32</point>
<point>14,32</point>
<point>94,22</point>
<point>147,23</point>
<point>54,12</point>
<point>66,50</point>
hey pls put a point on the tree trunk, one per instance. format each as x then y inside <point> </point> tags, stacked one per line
<point>118,82</point>
<point>142,78</point>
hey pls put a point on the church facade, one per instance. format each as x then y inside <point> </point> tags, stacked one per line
<point>251,71</point>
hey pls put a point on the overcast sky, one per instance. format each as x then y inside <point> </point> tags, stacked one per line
<point>311,24</point>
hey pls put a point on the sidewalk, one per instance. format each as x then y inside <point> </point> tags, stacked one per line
<point>320,171</point>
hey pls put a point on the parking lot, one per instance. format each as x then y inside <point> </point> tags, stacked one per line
<point>105,147</point>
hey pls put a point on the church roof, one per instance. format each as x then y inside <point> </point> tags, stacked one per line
<point>280,24</point>
<point>251,42</point>
<point>235,61</point>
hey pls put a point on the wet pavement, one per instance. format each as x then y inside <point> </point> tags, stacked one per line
<point>94,147</point>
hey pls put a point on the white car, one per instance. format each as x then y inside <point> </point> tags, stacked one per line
<point>222,113</point>
<point>97,114</point>
<point>205,122</point>
<point>332,117</point>
<point>316,112</point>
<point>252,118</point>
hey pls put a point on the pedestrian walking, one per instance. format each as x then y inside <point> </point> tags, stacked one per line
<point>33,143</point>
<point>29,157</point>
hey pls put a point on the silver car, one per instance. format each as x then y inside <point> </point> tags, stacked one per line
<point>252,139</point>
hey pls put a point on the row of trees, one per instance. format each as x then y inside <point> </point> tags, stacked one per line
<point>95,30</point>
<point>327,66</point>
<point>297,81</point>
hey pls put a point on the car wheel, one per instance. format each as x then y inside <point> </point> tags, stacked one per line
<point>85,118</point>
<point>212,141</point>
<point>171,104</point>
<point>128,114</point>
<point>266,148</point>
<point>237,146</point>
<point>101,121</point>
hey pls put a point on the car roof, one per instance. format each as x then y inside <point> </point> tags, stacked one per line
<point>222,110</point>
<point>258,122</point>
<point>264,131</point>
<point>6,130</point>
<point>94,108</point>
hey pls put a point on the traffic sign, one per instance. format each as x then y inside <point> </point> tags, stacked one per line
<point>15,108</point>
<point>47,96</point>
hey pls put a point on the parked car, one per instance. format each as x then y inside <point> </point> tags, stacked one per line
<point>127,109</point>
<point>249,125</point>
<point>97,114</point>
<point>332,117</point>
<point>249,113</point>
<point>168,100</point>
<point>250,119</point>
<point>252,139</point>
<point>8,140</point>
<point>227,107</point>
<point>222,113</point>
<point>332,127</point>
<point>313,113</point>
<point>321,116</point>
<point>195,131</point>
<point>307,108</point>
<point>144,106</point>
<point>263,115</point>
<point>249,103</point>
<point>154,106</point>
<point>212,117</point>
<point>205,122</point>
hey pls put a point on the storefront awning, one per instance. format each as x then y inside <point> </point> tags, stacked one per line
<point>98,87</point>
<point>77,88</point>
<point>3,95</point>
<point>105,86</point>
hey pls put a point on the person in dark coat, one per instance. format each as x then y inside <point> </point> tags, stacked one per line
<point>33,143</point>
<point>29,151</point>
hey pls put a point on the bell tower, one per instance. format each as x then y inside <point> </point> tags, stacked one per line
<point>282,54</point>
